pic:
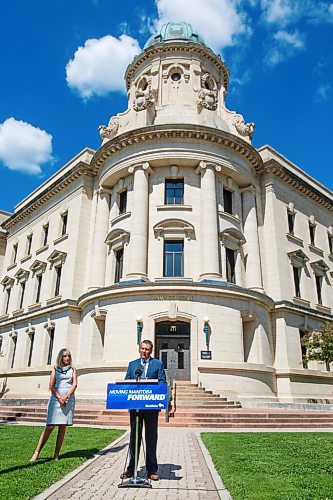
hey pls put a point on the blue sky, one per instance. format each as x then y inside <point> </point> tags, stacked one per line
<point>62,66</point>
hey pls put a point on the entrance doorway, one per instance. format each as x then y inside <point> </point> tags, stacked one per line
<point>173,348</point>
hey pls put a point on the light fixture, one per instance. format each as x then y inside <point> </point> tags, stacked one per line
<point>206,330</point>
<point>139,328</point>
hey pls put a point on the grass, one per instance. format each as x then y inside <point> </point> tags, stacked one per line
<point>274,466</point>
<point>21,480</point>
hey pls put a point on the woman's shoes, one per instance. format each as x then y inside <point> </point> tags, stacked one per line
<point>34,456</point>
<point>56,458</point>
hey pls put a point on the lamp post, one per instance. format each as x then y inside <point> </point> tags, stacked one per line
<point>206,331</point>
<point>139,328</point>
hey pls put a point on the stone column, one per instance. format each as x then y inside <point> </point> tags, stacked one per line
<point>138,247</point>
<point>99,249</point>
<point>251,247</point>
<point>210,266</point>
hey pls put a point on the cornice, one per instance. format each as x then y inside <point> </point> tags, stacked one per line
<point>179,131</point>
<point>281,172</point>
<point>81,168</point>
<point>164,48</point>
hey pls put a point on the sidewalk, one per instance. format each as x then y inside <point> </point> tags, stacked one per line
<point>185,469</point>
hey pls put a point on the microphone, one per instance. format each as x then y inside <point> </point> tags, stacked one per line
<point>138,372</point>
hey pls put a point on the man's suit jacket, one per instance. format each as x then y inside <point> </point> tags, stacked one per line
<point>155,369</point>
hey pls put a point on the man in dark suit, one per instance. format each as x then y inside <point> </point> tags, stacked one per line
<point>150,369</point>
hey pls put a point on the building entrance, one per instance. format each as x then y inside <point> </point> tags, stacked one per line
<point>173,348</point>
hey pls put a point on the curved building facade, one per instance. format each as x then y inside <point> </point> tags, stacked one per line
<point>177,230</point>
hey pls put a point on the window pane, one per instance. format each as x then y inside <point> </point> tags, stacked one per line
<point>180,361</point>
<point>168,264</point>
<point>165,360</point>
<point>174,191</point>
<point>173,258</point>
<point>178,264</point>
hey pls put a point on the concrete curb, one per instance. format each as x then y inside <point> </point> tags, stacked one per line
<point>56,486</point>
<point>222,491</point>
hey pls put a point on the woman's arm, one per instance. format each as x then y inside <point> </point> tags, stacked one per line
<point>53,389</point>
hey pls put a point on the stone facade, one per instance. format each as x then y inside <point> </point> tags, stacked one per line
<point>177,230</point>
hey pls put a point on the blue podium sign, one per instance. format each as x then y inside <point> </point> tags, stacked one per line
<point>139,396</point>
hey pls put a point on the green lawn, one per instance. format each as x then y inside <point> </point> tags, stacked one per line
<point>21,480</point>
<point>274,466</point>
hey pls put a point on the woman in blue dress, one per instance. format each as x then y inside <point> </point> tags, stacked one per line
<point>63,383</point>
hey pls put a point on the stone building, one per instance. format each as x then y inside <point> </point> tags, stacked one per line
<point>177,230</point>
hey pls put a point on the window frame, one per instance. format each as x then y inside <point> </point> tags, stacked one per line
<point>228,202</point>
<point>166,253</point>
<point>122,201</point>
<point>230,269</point>
<point>173,199</point>
<point>119,264</point>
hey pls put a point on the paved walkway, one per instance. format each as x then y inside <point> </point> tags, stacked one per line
<point>186,472</point>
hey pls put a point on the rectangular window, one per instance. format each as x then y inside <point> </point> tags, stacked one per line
<point>58,280</point>
<point>32,338</point>
<point>303,349</point>
<point>14,350</point>
<point>8,292</point>
<point>29,243</point>
<point>119,265</point>
<point>23,283</point>
<point>122,202</point>
<point>330,243</point>
<point>180,360</point>
<point>227,201</point>
<point>39,278</point>
<point>45,234</point>
<point>173,258</point>
<point>230,265</point>
<point>296,273</point>
<point>312,230</point>
<point>164,359</point>
<point>174,192</point>
<point>319,281</point>
<point>291,222</point>
<point>15,247</point>
<point>64,218</point>
<point>49,354</point>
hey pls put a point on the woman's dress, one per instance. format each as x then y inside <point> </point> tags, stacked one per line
<point>57,414</point>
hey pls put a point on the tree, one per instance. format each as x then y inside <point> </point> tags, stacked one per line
<point>319,344</point>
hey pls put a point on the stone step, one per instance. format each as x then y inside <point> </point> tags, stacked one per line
<point>230,417</point>
<point>203,405</point>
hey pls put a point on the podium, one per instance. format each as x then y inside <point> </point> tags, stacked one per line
<point>147,394</point>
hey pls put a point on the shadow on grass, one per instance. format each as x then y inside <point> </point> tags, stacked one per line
<point>85,454</point>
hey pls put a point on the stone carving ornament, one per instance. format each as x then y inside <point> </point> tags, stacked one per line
<point>107,132</point>
<point>207,95</point>
<point>143,99</point>
<point>244,129</point>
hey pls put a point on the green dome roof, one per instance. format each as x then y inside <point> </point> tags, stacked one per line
<point>175,31</point>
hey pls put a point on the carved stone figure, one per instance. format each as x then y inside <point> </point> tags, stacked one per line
<point>143,99</point>
<point>207,95</point>
<point>244,129</point>
<point>107,132</point>
<point>207,99</point>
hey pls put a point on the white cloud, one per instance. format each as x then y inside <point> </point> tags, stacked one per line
<point>277,11</point>
<point>98,68</point>
<point>218,21</point>
<point>24,147</point>
<point>285,45</point>
<point>284,12</point>
<point>323,92</point>
<point>292,39</point>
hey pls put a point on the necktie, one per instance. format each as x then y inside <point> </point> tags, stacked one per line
<point>144,369</point>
